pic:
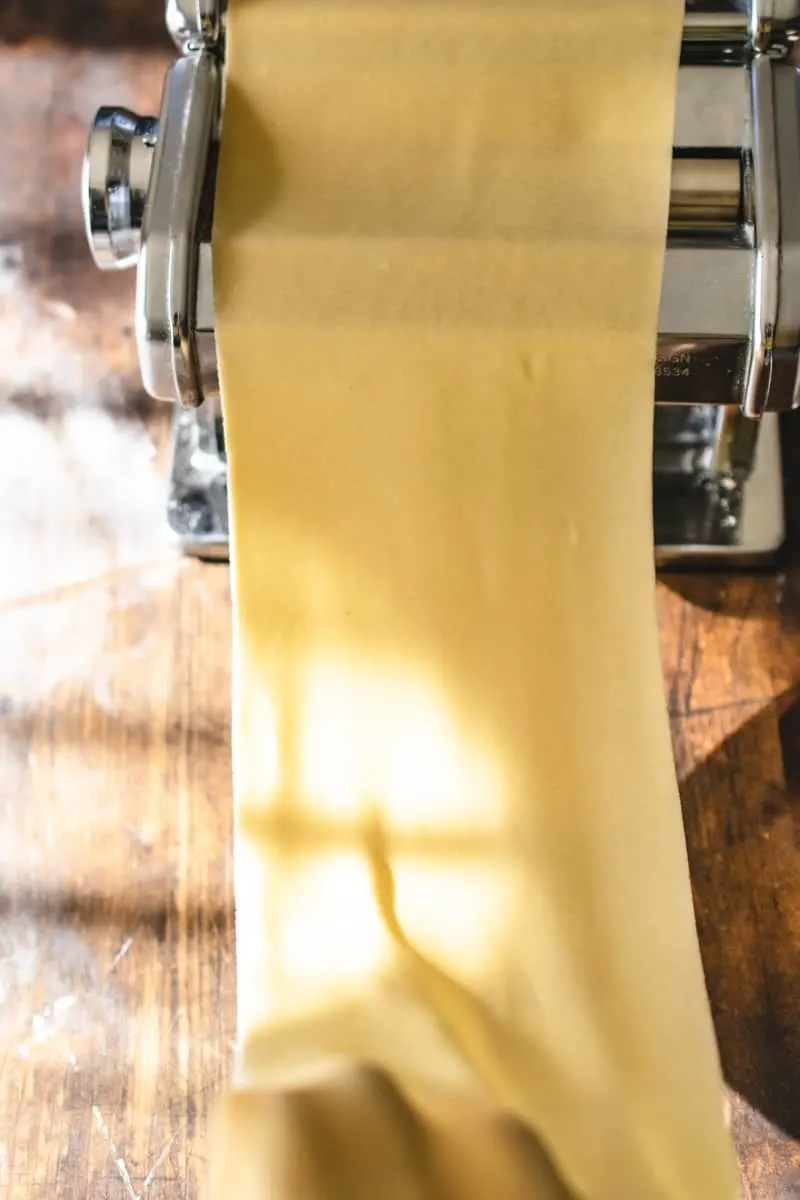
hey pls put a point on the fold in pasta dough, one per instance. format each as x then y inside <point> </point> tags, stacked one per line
<point>439,239</point>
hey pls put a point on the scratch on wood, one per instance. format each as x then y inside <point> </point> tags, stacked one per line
<point>118,1160</point>
<point>152,1172</point>
<point>123,950</point>
<point>729,706</point>
<point>694,666</point>
<point>674,691</point>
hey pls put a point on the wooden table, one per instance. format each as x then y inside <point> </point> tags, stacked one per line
<point>116,930</point>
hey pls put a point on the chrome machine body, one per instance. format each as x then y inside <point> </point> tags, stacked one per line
<point>729,328</point>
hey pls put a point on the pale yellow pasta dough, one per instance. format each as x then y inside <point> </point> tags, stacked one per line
<point>438,246</point>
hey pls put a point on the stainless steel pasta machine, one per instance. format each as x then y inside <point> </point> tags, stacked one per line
<point>729,328</point>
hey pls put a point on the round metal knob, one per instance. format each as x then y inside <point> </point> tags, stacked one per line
<point>116,175</point>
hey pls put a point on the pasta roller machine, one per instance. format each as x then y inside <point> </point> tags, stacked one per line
<point>729,328</point>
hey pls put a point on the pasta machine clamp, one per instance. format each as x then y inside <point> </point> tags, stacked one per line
<point>729,324</point>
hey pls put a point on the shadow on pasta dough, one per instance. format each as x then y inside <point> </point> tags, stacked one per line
<point>254,176</point>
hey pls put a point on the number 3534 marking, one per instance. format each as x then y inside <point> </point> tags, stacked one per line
<point>675,366</point>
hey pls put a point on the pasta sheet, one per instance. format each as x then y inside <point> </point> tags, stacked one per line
<point>439,239</point>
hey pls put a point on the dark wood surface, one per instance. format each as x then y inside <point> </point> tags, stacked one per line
<point>136,24</point>
<point>116,943</point>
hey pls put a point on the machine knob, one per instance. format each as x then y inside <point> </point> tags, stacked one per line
<point>116,175</point>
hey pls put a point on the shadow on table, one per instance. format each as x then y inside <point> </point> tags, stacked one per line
<point>742,817</point>
<point>155,911</point>
<point>101,24</point>
<point>741,809</point>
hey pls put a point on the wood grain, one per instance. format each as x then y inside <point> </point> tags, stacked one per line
<point>116,941</point>
<point>116,930</point>
<point>131,24</point>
